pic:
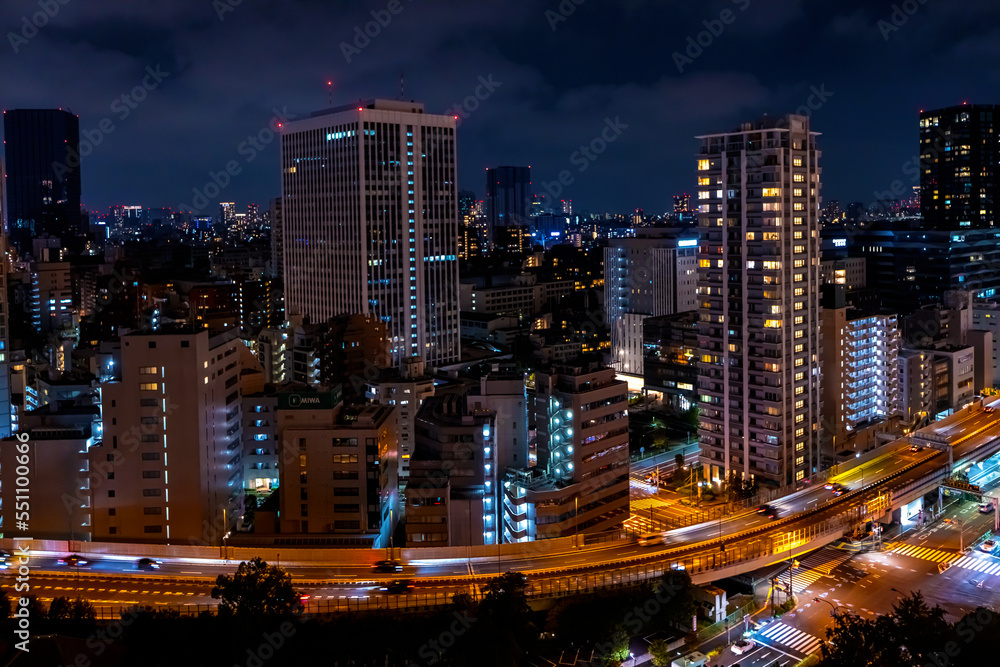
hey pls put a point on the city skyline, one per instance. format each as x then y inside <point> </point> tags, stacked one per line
<point>150,71</point>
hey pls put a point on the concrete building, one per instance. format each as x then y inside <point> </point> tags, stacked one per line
<point>986,317</point>
<point>52,297</point>
<point>670,364</point>
<point>450,496</point>
<point>405,389</point>
<point>347,231</point>
<point>172,425</point>
<point>655,273</point>
<point>851,272</point>
<point>860,374</point>
<point>580,483</point>
<point>759,373</point>
<point>523,297</point>
<point>338,468</point>
<point>58,482</point>
<point>916,387</point>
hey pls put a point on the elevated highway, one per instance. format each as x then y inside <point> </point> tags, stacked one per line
<point>876,485</point>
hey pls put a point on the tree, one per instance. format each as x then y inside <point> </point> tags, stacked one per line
<point>257,590</point>
<point>64,609</point>
<point>503,632</point>
<point>679,460</point>
<point>691,417</point>
<point>914,634</point>
<point>661,653</point>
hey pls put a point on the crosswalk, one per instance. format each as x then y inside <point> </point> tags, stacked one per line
<point>817,566</point>
<point>986,566</point>
<point>795,639</point>
<point>924,553</point>
<point>978,564</point>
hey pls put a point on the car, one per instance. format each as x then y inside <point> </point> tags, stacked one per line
<point>989,408</point>
<point>915,448</point>
<point>988,546</point>
<point>829,485</point>
<point>943,567</point>
<point>397,587</point>
<point>986,508</point>
<point>4,559</point>
<point>147,564</point>
<point>650,539</point>
<point>768,511</point>
<point>837,489</point>
<point>388,566</point>
<point>743,646</point>
<point>73,560</point>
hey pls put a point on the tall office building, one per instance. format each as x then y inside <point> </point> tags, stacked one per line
<point>43,175</point>
<point>371,222</point>
<point>654,273</point>
<point>508,198</point>
<point>960,166</point>
<point>758,278</point>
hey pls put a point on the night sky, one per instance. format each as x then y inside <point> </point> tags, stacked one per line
<point>225,66</point>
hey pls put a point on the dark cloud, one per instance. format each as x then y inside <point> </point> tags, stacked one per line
<point>561,74</point>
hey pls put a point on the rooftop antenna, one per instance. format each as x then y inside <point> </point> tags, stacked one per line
<point>402,86</point>
<point>329,88</point>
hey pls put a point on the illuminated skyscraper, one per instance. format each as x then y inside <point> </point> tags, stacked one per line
<point>758,279</point>
<point>370,221</point>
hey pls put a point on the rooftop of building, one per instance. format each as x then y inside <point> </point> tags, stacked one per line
<point>379,104</point>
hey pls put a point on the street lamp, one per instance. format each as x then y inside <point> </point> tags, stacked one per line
<point>833,607</point>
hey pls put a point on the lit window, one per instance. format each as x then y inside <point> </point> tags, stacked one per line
<point>751,236</point>
<point>798,319</point>
<point>772,192</point>
<point>703,165</point>
<point>799,376</point>
<point>771,236</point>
<point>149,386</point>
<point>704,180</point>
<point>772,324</point>
<point>797,192</point>
<point>797,162</point>
<point>800,178</point>
<point>798,406</point>
<point>799,206</point>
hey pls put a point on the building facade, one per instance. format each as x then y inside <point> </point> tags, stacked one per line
<point>860,370</point>
<point>172,430</point>
<point>655,273</point>
<point>370,222</point>
<point>759,196</point>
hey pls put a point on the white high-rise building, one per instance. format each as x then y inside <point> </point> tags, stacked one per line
<point>370,215</point>
<point>758,279</point>
<point>655,273</point>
